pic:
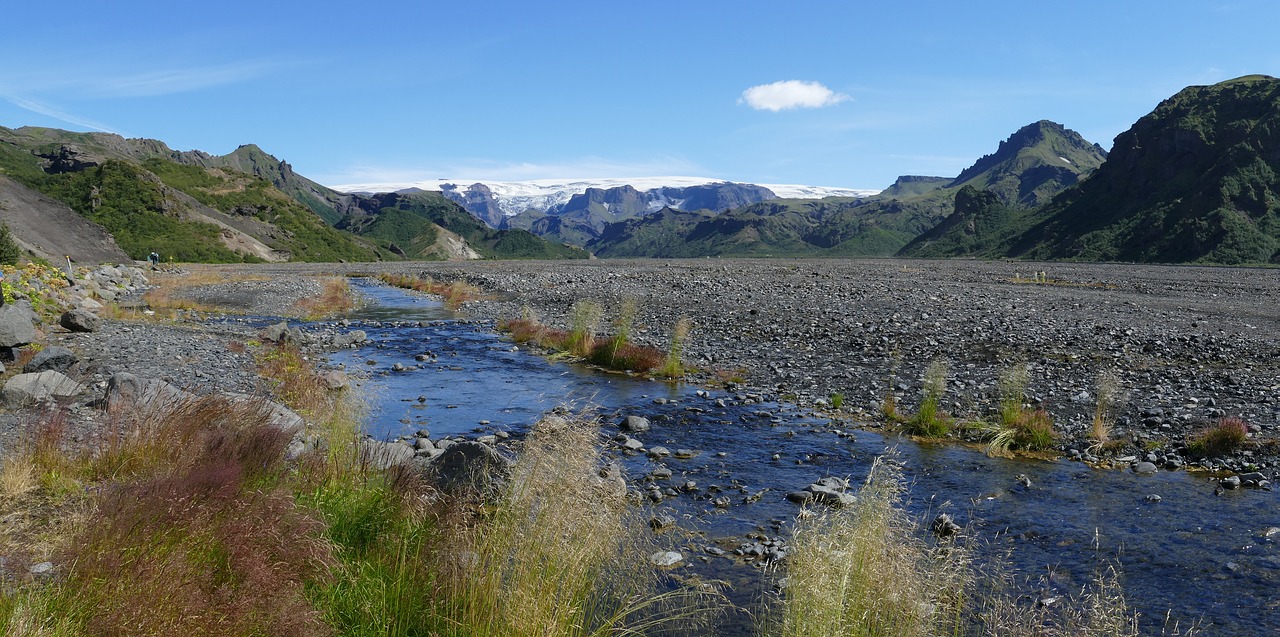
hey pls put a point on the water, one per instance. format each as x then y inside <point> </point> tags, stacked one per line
<point>1201,556</point>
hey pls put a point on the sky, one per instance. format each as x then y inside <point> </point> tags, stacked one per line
<point>844,93</point>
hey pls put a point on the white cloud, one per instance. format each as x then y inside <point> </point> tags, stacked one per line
<point>790,94</point>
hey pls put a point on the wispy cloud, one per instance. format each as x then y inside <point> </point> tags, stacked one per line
<point>177,80</point>
<point>790,94</point>
<point>58,114</point>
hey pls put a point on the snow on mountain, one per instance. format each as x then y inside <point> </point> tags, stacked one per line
<point>515,197</point>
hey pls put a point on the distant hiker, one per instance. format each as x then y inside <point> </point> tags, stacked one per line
<point>154,259</point>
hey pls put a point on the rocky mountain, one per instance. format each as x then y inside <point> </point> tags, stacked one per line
<point>1196,180</point>
<point>193,206</point>
<point>1034,163</point>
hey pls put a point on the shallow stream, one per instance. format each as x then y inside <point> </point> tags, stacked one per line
<point>1204,558</point>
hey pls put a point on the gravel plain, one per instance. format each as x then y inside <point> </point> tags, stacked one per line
<point>1186,345</point>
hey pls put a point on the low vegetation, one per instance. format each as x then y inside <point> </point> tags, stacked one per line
<point>867,570</point>
<point>453,293</point>
<point>335,297</point>
<point>615,352</point>
<point>929,420</point>
<point>1226,436</point>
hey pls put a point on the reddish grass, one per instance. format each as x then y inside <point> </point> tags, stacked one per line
<point>1229,434</point>
<point>454,293</point>
<point>627,357</point>
<point>334,298</point>
<point>206,544</point>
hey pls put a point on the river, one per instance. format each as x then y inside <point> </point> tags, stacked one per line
<point>1201,557</point>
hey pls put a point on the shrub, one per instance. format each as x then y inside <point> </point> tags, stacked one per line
<point>10,253</point>
<point>1228,435</point>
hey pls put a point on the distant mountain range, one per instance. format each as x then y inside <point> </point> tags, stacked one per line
<point>1195,181</point>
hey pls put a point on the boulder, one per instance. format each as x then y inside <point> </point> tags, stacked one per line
<point>25,389</point>
<point>80,321</point>
<point>126,391</point>
<point>469,468</point>
<point>381,456</point>
<point>635,424</point>
<point>16,326</point>
<point>53,358</point>
<point>281,333</point>
<point>350,339</point>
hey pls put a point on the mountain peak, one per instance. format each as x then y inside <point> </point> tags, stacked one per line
<point>1034,163</point>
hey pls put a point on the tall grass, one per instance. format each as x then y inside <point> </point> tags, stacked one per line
<point>1019,427</point>
<point>582,328</point>
<point>863,571</point>
<point>335,297</point>
<point>1223,438</point>
<point>673,365</point>
<point>555,556</point>
<point>929,421</point>
<point>454,293</point>
<point>615,352</point>
<point>1107,394</point>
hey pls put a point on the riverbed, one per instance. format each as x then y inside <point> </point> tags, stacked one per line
<point>1192,552</point>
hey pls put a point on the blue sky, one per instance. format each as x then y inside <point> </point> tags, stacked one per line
<point>846,93</point>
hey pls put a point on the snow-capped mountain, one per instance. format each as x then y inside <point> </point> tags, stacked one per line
<point>515,197</point>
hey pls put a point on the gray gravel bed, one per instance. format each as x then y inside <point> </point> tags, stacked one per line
<point>1186,344</point>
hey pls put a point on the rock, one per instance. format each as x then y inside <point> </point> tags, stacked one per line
<point>335,380</point>
<point>16,326</point>
<point>831,497</point>
<point>1231,482</point>
<point>128,392</point>
<point>350,339</point>
<point>1153,498</point>
<point>25,389</point>
<point>635,424</point>
<point>658,452</point>
<point>799,497</point>
<point>661,521</point>
<point>470,468</point>
<point>666,559</point>
<point>43,568</point>
<point>1254,480</point>
<point>270,412</point>
<point>1144,468</point>
<point>944,526</point>
<point>281,333</point>
<point>630,444</point>
<point>52,358</point>
<point>685,454</point>
<point>381,456</point>
<point>80,321</point>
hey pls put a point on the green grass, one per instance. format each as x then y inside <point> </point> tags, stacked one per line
<point>930,421</point>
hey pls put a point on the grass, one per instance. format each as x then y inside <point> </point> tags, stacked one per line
<point>1228,435</point>
<point>1108,390</point>
<point>335,297</point>
<point>863,571</point>
<point>454,293</point>
<point>616,352</point>
<point>1019,427</point>
<point>866,571</point>
<point>929,421</point>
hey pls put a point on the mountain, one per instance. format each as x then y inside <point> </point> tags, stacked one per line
<point>992,199</point>
<point>193,206</point>
<point>576,211</point>
<point>427,225</point>
<point>1026,169</point>
<point>1196,180</point>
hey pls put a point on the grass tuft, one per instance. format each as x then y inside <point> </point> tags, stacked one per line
<point>929,421</point>
<point>1228,435</point>
<point>335,298</point>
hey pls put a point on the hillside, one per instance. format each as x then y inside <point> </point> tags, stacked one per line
<point>1197,180</point>
<point>426,225</point>
<point>243,206</point>
<point>1034,163</point>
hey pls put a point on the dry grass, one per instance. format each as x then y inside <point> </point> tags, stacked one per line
<point>335,298</point>
<point>863,571</point>
<point>557,555</point>
<point>613,352</point>
<point>1226,436</point>
<point>454,293</point>
<point>1108,394</point>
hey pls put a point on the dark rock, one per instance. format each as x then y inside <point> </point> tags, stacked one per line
<point>80,321</point>
<point>52,358</point>
<point>1231,482</point>
<point>470,468</point>
<point>1144,468</point>
<point>26,389</point>
<point>944,526</point>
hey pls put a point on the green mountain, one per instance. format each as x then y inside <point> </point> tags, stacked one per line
<point>246,205</point>
<point>1196,180</point>
<point>1036,162</point>
<point>138,192</point>
<point>427,225</point>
